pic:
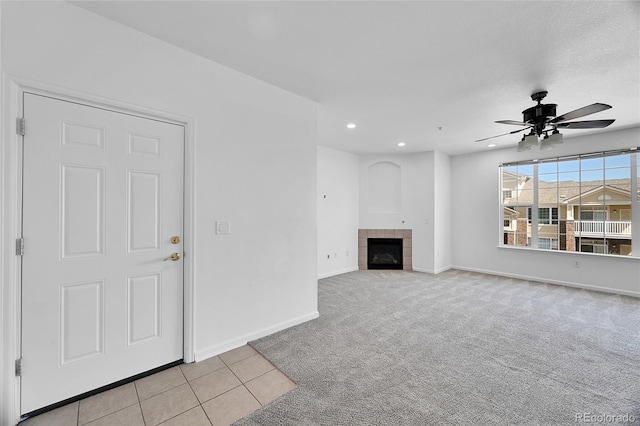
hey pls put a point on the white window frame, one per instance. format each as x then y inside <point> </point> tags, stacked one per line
<point>534,221</point>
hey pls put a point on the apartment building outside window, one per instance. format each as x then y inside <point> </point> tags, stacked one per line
<point>581,203</point>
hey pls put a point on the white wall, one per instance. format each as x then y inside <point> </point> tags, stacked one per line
<point>475,228</point>
<point>255,150</point>
<point>417,197</point>
<point>337,212</point>
<point>442,212</point>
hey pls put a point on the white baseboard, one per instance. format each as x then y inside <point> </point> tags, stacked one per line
<point>443,269</point>
<point>550,281</point>
<point>432,271</point>
<point>340,272</point>
<point>243,340</point>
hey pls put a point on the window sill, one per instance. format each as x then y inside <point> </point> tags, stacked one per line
<point>569,253</point>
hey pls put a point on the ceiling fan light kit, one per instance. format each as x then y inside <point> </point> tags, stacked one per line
<point>531,139</point>
<point>549,142</point>
<point>528,142</point>
<point>542,119</point>
<point>522,146</point>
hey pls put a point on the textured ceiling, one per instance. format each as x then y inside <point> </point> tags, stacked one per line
<point>432,74</point>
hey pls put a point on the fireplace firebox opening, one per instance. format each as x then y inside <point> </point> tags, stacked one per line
<point>384,253</point>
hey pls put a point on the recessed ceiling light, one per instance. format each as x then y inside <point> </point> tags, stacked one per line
<point>351,126</point>
<point>401,144</point>
<point>491,145</point>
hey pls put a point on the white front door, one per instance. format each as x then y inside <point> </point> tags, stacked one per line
<point>102,199</point>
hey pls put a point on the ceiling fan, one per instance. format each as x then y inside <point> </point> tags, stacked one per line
<point>541,119</point>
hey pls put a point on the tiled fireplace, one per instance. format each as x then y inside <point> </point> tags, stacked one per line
<point>404,234</point>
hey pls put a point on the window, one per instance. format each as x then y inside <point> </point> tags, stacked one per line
<point>595,213</point>
<point>593,246</point>
<point>546,215</point>
<point>581,203</point>
<point>638,176</point>
<point>546,243</point>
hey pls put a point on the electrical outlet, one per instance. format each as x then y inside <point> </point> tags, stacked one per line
<point>328,256</point>
<point>222,227</point>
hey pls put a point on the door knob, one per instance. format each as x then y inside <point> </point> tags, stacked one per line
<point>175,240</point>
<point>174,257</point>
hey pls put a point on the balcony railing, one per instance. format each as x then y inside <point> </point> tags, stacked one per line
<point>600,228</point>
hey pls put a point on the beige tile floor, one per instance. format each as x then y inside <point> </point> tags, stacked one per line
<point>216,391</point>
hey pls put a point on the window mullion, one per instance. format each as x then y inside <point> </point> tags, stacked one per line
<point>501,208</point>
<point>534,209</point>
<point>635,205</point>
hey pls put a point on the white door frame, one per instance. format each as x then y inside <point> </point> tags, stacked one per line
<point>10,222</point>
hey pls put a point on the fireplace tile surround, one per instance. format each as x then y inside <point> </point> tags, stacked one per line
<point>407,245</point>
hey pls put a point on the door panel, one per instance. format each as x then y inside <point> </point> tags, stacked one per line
<point>144,308</point>
<point>102,198</point>
<point>143,206</point>
<point>82,220</point>
<point>81,321</point>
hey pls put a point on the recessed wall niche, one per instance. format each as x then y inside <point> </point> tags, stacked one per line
<point>384,188</point>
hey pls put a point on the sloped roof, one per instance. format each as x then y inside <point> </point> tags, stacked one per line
<point>563,192</point>
<point>508,211</point>
<point>595,190</point>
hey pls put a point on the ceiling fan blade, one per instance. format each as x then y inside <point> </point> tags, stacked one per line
<point>513,122</point>
<point>504,134</point>
<point>590,124</point>
<point>581,112</point>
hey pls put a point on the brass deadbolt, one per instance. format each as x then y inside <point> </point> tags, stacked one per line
<point>175,239</point>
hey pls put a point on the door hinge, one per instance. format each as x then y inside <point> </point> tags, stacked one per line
<point>20,247</point>
<point>20,126</point>
<point>19,367</point>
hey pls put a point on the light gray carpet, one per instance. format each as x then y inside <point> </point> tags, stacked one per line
<point>458,348</point>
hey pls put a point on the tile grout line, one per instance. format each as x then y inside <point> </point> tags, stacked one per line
<point>135,386</point>
<point>227,391</point>
<point>265,373</point>
<point>106,415</point>
<point>206,414</point>
<point>163,392</point>
<point>224,393</point>
<point>196,395</point>
<point>230,364</point>
<point>254,397</point>
<point>243,383</point>
<point>253,378</point>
